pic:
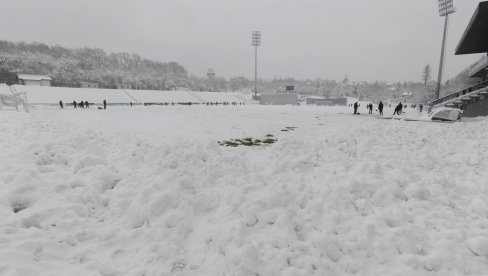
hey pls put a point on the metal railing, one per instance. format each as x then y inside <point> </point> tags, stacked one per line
<point>461,93</point>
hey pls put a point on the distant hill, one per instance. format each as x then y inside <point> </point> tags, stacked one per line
<point>70,67</point>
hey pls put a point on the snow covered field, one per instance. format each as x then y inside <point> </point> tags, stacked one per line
<point>43,95</point>
<point>148,191</point>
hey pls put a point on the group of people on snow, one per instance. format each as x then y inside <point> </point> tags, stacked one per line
<point>82,104</point>
<point>398,109</point>
<point>86,104</point>
<point>369,107</point>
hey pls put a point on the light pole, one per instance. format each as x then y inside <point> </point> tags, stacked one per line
<point>211,76</point>
<point>256,41</point>
<point>446,7</point>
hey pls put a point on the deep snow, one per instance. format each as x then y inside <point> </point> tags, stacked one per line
<point>148,191</point>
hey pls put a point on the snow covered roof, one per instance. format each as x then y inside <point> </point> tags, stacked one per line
<point>33,77</point>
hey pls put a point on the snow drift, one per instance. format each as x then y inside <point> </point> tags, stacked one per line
<point>340,195</point>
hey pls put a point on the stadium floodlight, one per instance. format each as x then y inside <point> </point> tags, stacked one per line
<point>256,38</point>
<point>446,7</point>
<point>256,41</point>
<point>211,73</point>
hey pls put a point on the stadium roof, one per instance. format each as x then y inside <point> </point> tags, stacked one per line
<point>475,38</point>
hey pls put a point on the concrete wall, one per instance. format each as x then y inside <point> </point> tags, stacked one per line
<point>313,100</point>
<point>332,102</point>
<point>35,82</point>
<point>124,86</point>
<point>479,108</point>
<point>31,82</point>
<point>279,99</point>
<point>89,85</point>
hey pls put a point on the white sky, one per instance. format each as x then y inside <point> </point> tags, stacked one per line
<point>390,40</point>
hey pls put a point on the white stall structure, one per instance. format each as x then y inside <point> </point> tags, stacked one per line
<point>35,80</point>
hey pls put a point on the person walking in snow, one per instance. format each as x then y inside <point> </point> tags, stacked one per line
<point>380,108</point>
<point>421,107</point>
<point>356,108</point>
<point>104,104</point>
<point>87,105</point>
<point>370,107</point>
<point>74,104</point>
<point>81,104</point>
<point>61,104</point>
<point>398,109</point>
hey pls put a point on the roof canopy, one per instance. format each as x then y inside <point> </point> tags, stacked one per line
<point>475,38</point>
<point>33,77</point>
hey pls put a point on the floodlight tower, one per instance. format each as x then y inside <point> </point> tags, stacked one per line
<point>446,7</point>
<point>256,41</point>
<point>210,81</point>
<point>211,74</point>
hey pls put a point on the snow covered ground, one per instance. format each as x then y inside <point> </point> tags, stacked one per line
<point>52,95</point>
<point>148,191</point>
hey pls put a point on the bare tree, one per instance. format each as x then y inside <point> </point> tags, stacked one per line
<point>100,57</point>
<point>426,75</point>
<point>328,88</point>
<point>136,61</point>
<point>83,56</point>
<point>3,62</point>
<point>124,60</point>
<point>429,92</point>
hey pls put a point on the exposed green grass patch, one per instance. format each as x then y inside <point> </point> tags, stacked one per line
<point>249,142</point>
<point>288,129</point>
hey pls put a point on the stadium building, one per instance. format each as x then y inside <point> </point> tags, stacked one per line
<point>472,100</point>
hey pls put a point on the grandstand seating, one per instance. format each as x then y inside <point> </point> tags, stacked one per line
<point>457,96</point>
<point>472,100</point>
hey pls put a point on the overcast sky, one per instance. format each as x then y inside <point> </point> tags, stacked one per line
<point>370,40</point>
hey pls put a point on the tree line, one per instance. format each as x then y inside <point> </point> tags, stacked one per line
<point>70,67</point>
